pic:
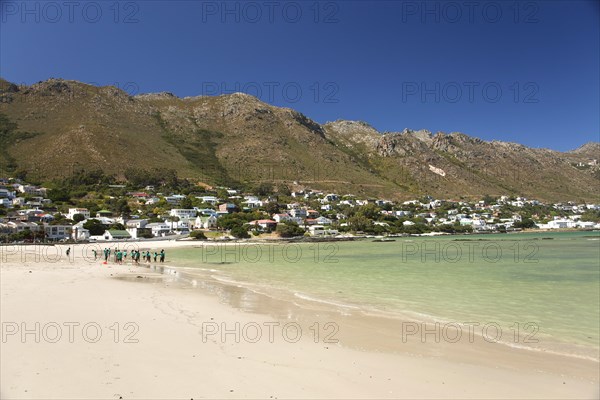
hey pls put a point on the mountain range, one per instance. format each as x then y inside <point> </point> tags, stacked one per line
<point>56,125</point>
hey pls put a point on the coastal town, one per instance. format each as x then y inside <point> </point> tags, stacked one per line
<point>116,212</point>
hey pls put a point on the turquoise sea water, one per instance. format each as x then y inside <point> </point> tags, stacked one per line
<point>549,280</point>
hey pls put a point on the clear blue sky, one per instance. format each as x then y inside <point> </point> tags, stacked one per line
<point>529,74</point>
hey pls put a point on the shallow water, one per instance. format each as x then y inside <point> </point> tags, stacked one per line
<point>543,286</point>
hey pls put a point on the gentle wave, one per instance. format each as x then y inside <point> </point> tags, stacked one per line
<point>318,300</point>
<point>549,351</point>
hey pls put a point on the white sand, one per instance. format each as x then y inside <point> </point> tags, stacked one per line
<point>171,359</point>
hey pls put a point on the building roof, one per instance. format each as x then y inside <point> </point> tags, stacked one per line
<point>116,233</point>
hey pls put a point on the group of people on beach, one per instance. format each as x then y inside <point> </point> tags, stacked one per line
<point>120,256</point>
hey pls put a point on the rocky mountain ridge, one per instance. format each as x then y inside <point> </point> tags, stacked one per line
<point>238,139</point>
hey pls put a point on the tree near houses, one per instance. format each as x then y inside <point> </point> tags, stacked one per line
<point>240,232</point>
<point>186,202</point>
<point>95,227</point>
<point>526,223</point>
<point>289,229</point>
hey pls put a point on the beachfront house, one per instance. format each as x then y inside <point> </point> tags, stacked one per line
<point>320,230</point>
<point>137,233</point>
<point>159,228</point>
<point>58,232</point>
<point>112,235</point>
<point>265,225</point>
<point>116,234</point>
<point>561,224</point>
<point>5,229</point>
<point>205,222</point>
<point>80,233</point>
<point>181,226</point>
<point>20,226</point>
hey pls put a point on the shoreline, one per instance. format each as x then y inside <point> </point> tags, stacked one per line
<point>390,320</point>
<point>184,241</point>
<point>170,312</point>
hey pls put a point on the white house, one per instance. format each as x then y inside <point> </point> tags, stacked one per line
<point>79,233</point>
<point>209,199</point>
<point>184,225</point>
<point>183,213</point>
<point>320,230</point>
<point>205,222</point>
<point>133,232</point>
<point>298,213</point>
<point>479,224</point>
<point>74,211</point>
<point>466,221</point>
<point>19,226</point>
<point>159,228</point>
<point>136,223</point>
<point>586,224</point>
<point>58,232</point>
<point>112,235</point>
<point>323,221</point>
<point>561,224</point>
<point>152,200</point>
<point>253,202</point>
<point>28,189</point>
<point>284,217</point>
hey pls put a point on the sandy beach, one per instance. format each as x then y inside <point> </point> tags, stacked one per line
<point>74,328</point>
